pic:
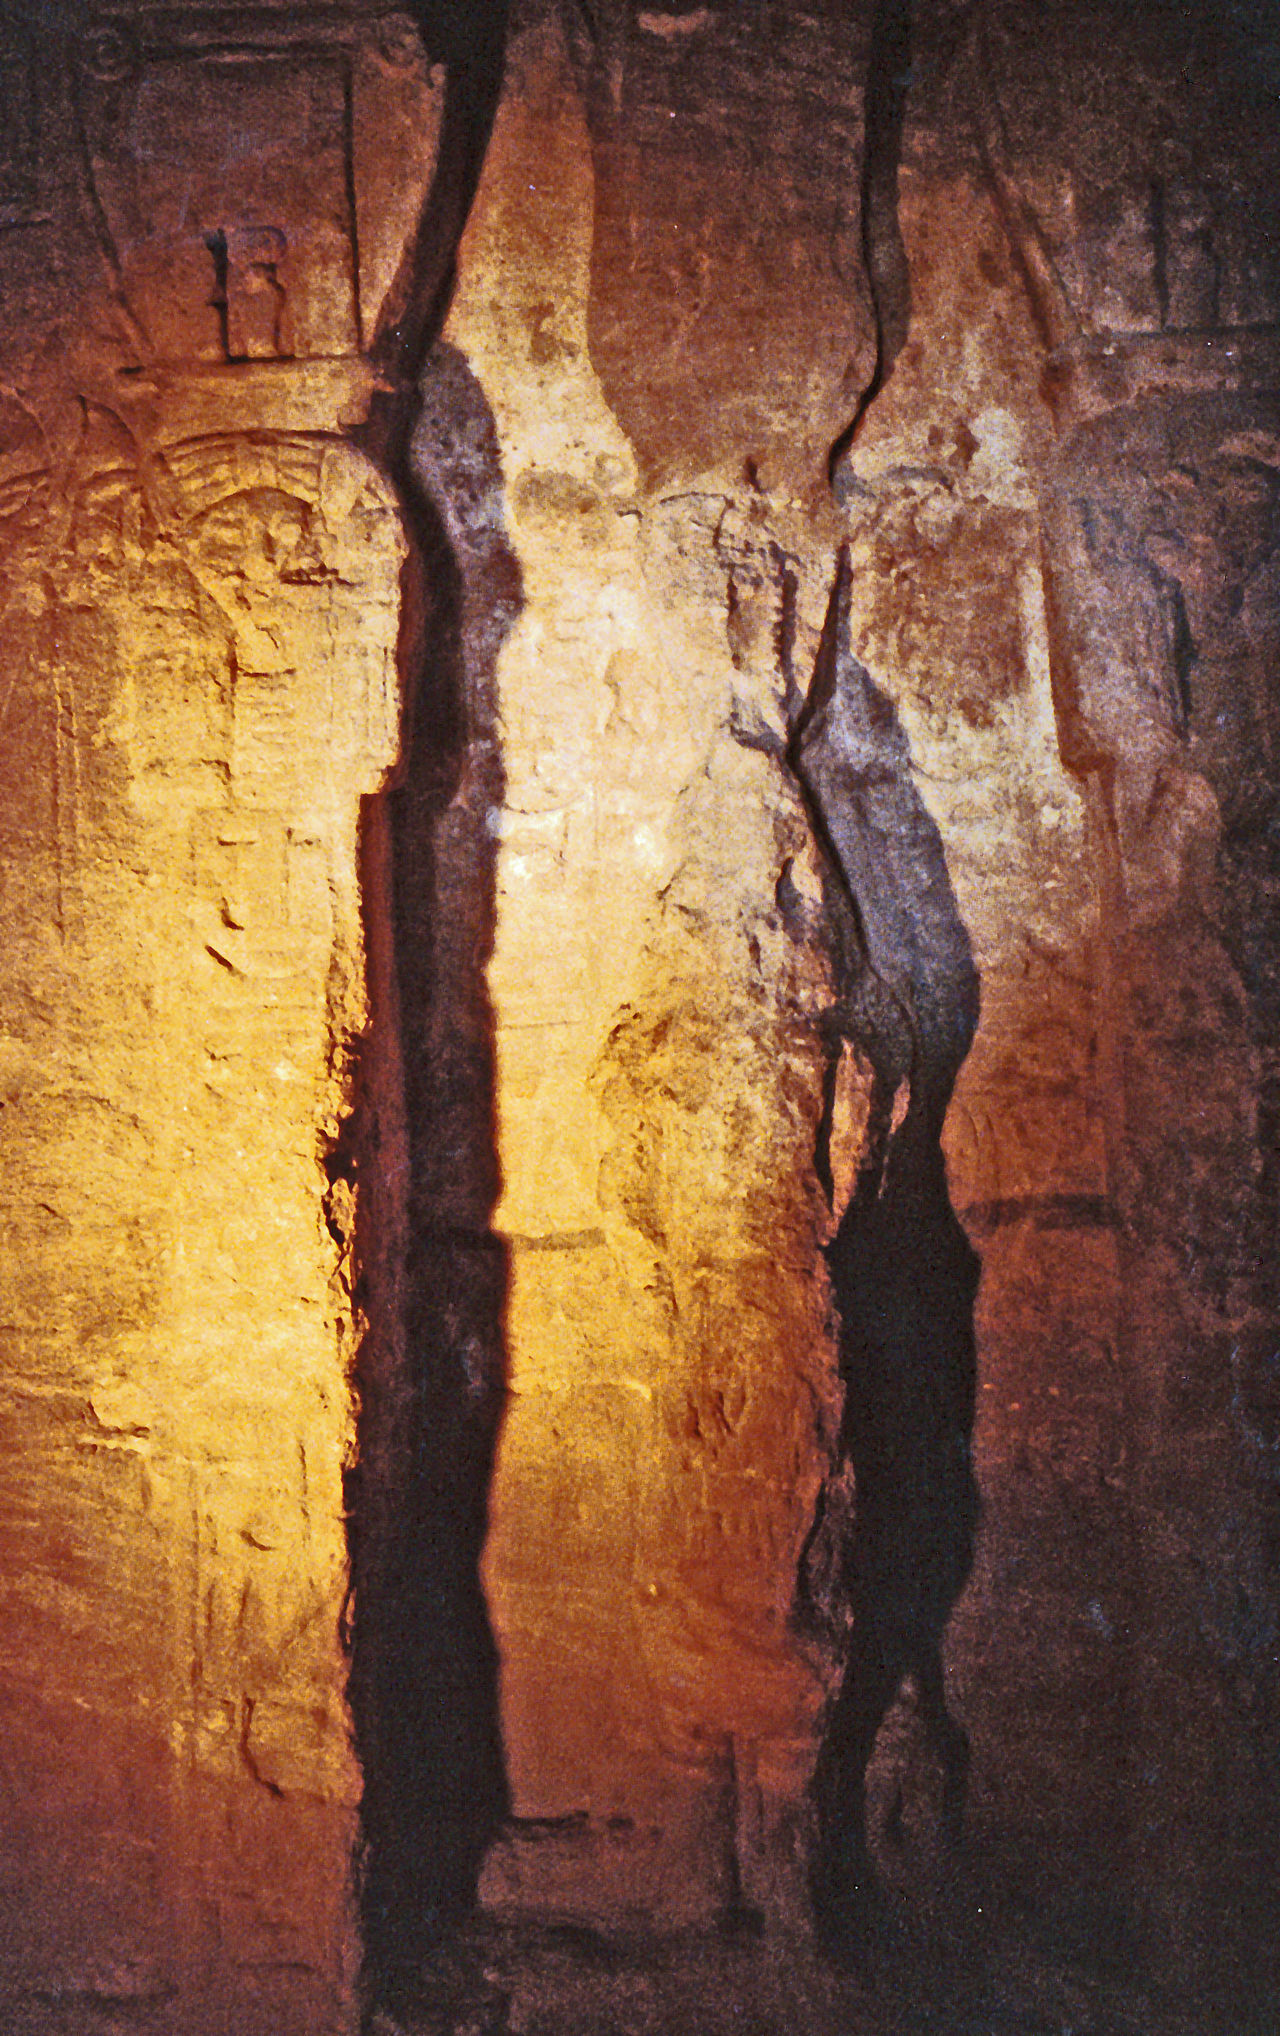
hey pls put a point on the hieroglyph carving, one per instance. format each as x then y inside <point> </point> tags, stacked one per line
<point>248,213</point>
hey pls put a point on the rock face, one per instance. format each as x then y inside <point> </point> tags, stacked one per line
<point>201,611</point>
<point>447,1005</point>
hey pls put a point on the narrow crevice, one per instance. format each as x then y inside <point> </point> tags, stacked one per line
<point>904,1275</point>
<point>433,1375</point>
<point>430,1280</point>
<point>1182,657</point>
<point>883,253</point>
<point>1158,211</point>
<point>469,38</point>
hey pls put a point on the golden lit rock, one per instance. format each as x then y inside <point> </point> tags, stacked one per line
<point>617,628</point>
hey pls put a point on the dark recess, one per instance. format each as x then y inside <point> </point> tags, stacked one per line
<point>421,1144</point>
<point>904,1274</point>
<point>885,258</point>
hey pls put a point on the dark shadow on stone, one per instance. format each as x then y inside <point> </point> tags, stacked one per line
<point>883,252</point>
<point>420,1148</point>
<point>904,1275</point>
<point>469,38</point>
<point>432,1373</point>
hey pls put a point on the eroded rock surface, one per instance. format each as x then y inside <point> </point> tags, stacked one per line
<point>201,610</point>
<point>483,1138</point>
<point>1033,595</point>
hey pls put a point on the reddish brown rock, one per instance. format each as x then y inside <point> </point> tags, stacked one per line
<point>429,1001</point>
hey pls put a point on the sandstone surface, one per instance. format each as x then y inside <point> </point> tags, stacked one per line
<point>439,1032</point>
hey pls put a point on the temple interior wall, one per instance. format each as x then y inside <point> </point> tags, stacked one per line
<point>430,481</point>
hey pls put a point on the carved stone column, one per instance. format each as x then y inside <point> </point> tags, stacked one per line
<point>1140,204</point>
<point>201,216</point>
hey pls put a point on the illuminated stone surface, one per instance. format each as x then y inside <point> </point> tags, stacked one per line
<point>201,608</point>
<point>674,587</point>
<point>588,955</point>
<point>658,1090</point>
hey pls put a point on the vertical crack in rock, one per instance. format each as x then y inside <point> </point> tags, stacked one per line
<point>904,1275</point>
<point>469,38</point>
<point>888,80</point>
<point>422,1144</point>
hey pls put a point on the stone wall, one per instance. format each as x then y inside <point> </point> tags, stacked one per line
<point>658,1071</point>
<point>429,1003</point>
<point>201,612</point>
<point>1051,537</point>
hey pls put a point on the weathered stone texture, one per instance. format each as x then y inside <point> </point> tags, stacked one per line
<point>971,321</point>
<point>201,609</point>
<point>1127,209</point>
<point>1066,602</point>
<point>727,250</point>
<point>657,1094</point>
<point>175,1018</point>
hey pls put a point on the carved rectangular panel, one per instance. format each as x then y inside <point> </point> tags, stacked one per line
<point>224,182</point>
